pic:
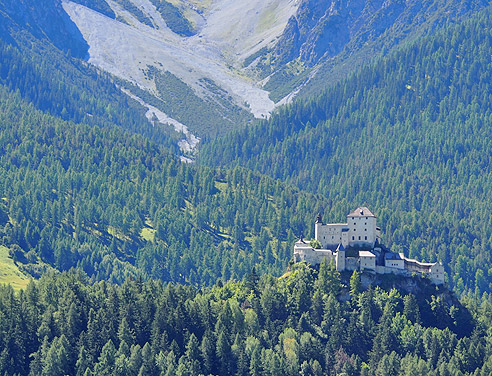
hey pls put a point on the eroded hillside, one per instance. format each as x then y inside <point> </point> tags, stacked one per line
<point>197,54</point>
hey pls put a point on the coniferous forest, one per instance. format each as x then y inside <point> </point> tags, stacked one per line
<point>293,325</point>
<point>140,264</point>
<point>408,136</point>
<point>117,205</point>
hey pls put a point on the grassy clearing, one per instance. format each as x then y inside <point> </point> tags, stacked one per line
<point>147,234</point>
<point>9,272</point>
<point>221,186</point>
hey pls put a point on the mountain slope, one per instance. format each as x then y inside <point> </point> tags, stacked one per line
<point>45,20</point>
<point>230,60</point>
<point>116,205</point>
<point>408,137</point>
<point>137,43</point>
<point>325,41</point>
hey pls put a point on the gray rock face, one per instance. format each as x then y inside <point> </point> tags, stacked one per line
<point>323,29</point>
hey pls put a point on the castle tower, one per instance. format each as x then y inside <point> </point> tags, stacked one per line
<point>340,258</point>
<point>362,227</point>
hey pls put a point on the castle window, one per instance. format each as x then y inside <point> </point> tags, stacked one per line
<point>353,237</point>
<point>366,237</point>
<point>359,237</point>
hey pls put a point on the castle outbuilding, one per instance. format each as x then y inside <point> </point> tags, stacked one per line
<point>356,245</point>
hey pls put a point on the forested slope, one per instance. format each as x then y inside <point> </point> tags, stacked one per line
<point>71,89</point>
<point>44,20</point>
<point>326,41</point>
<point>116,204</point>
<point>409,137</point>
<point>295,325</point>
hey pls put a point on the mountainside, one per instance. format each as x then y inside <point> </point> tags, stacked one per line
<point>40,67</point>
<point>88,181</point>
<point>45,20</point>
<point>229,61</point>
<point>408,137</point>
<point>367,140</point>
<point>114,204</point>
<point>216,52</point>
<point>326,40</point>
<point>186,50</point>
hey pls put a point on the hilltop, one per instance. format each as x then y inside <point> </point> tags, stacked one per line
<point>408,136</point>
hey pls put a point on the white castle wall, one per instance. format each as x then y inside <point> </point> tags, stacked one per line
<point>360,230</point>
<point>329,235</point>
<point>304,252</point>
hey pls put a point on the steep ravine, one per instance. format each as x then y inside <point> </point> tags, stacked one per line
<point>227,31</point>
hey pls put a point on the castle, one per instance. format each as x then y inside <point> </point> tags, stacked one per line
<point>355,245</point>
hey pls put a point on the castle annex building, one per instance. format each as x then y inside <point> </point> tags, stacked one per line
<point>355,245</point>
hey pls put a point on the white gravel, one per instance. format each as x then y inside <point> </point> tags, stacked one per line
<point>231,30</point>
<point>188,144</point>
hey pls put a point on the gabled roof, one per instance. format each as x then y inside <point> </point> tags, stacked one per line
<point>366,254</point>
<point>361,211</point>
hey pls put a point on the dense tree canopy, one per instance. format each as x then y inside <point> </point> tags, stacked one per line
<point>63,325</point>
<point>408,136</point>
<point>116,204</point>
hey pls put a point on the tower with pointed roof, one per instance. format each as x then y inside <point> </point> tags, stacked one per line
<point>362,228</point>
<point>359,231</point>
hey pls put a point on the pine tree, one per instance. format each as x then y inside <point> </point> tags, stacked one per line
<point>106,362</point>
<point>193,355</point>
<point>411,308</point>
<point>355,285</point>
<point>224,354</point>
<point>83,362</point>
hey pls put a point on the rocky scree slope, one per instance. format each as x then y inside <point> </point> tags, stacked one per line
<point>139,47</point>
